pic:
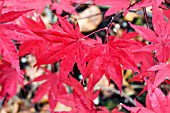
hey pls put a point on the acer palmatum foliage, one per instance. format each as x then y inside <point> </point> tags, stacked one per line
<point>9,79</point>
<point>156,101</point>
<point>64,43</point>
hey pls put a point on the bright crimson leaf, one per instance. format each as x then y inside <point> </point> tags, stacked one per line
<point>19,5</point>
<point>167,13</point>
<point>156,101</point>
<point>159,39</point>
<point>53,85</point>
<point>33,25</point>
<point>147,3</point>
<point>163,73</point>
<point>115,5</point>
<point>12,15</point>
<point>33,46</point>
<point>10,31</point>
<point>83,99</point>
<point>9,80</point>
<point>106,59</point>
<point>61,5</point>
<point>67,39</point>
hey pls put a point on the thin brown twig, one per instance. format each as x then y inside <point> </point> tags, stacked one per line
<point>102,13</point>
<point>137,86</point>
<point>74,9</point>
<point>131,5</point>
<point>95,32</point>
<point>116,92</point>
<point>155,60</point>
<point>146,17</point>
<point>110,24</point>
<point>107,28</point>
<point>115,16</point>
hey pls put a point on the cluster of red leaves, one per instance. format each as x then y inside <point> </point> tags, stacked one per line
<point>156,101</point>
<point>64,43</point>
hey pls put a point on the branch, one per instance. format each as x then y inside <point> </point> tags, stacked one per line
<point>116,92</point>
<point>146,17</point>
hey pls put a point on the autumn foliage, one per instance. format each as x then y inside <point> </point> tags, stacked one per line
<point>62,42</point>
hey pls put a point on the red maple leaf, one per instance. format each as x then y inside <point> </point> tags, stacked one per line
<point>33,46</point>
<point>167,13</point>
<point>145,59</point>
<point>147,3</point>
<point>115,5</point>
<point>82,1</point>
<point>163,72</point>
<point>61,5</point>
<point>156,102</point>
<point>9,32</point>
<point>34,25</point>
<point>9,80</point>
<point>83,99</point>
<point>19,5</point>
<point>68,43</point>
<point>159,38</point>
<point>106,59</point>
<point>53,85</point>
